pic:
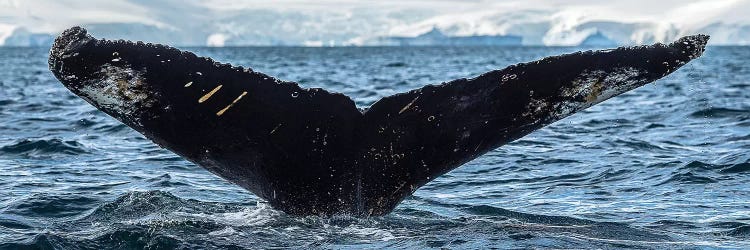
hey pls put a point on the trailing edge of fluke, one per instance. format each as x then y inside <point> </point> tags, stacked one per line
<point>310,151</point>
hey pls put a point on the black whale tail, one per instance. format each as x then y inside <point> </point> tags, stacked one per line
<point>309,151</point>
<point>438,128</point>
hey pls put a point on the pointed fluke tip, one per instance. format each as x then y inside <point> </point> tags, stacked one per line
<point>693,45</point>
<point>70,40</point>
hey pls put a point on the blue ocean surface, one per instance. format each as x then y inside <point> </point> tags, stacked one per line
<point>664,166</point>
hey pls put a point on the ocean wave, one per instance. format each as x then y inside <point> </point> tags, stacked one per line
<point>687,178</point>
<point>640,145</point>
<point>51,206</point>
<point>396,65</point>
<point>38,147</point>
<point>736,168</point>
<point>131,238</point>
<point>721,112</point>
<point>720,168</point>
<point>137,205</point>
<point>6,102</point>
<point>564,224</point>
<point>699,165</point>
<point>741,231</point>
<point>8,223</point>
<point>673,224</point>
<point>164,180</point>
<point>159,220</point>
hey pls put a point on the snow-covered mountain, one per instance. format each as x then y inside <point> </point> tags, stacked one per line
<point>350,22</point>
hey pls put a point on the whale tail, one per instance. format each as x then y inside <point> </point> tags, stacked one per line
<point>310,151</point>
<point>438,128</point>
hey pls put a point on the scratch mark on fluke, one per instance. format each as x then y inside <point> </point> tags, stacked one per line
<point>221,112</point>
<point>209,94</point>
<point>330,157</point>
<point>408,105</point>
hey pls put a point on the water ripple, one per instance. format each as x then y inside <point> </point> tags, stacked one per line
<point>36,147</point>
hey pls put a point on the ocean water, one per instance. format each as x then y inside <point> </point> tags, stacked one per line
<point>664,166</point>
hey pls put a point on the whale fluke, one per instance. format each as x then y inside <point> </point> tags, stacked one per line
<point>310,151</point>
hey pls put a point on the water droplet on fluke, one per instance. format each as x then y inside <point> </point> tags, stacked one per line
<point>295,94</point>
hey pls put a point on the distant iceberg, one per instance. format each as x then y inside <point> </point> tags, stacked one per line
<point>23,38</point>
<point>193,23</point>
<point>435,37</point>
<point>598,40</point>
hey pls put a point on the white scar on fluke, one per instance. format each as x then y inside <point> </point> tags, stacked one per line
<point>121,90</point>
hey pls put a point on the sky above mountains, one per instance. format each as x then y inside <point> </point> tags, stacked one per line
<point>349,22</point>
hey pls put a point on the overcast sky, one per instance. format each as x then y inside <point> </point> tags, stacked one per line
<point>383,17</point>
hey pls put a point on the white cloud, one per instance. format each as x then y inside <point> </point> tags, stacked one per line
<point>55,15</point>
<point>216,40</point>
<point>5,31</point>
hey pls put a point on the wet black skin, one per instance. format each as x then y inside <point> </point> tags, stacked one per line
<point>312,152</point>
